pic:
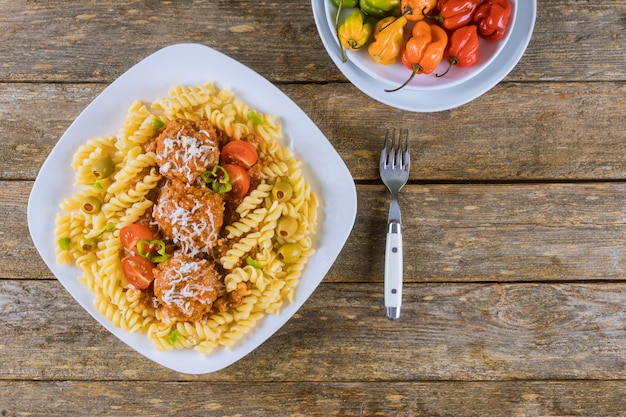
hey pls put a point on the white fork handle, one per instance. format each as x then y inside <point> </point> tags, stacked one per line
<point>393,271</point>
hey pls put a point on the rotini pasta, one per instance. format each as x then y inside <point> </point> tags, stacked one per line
<point>252,278</point>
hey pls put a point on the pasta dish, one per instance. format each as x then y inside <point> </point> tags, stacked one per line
<point>192,223</point>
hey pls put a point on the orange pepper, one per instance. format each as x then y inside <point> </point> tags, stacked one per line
<point>424,50</point>
<point>415,10</point>
<point>388,40</point>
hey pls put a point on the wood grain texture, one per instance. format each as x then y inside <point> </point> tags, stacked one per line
<point>568,131</point>
<point>452,233</point>
<point>514,234</point>
<point>458,332</point>
<point>289,399</point>
<point>95,42</point>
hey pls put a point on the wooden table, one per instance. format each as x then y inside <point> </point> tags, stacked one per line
<point>515,235</point>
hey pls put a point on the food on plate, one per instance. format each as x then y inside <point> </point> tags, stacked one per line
<point>380,8</point>
<point>454,14</point>
<point>395,23</point>
<point>192,223</point>
<point>463,48</point>
<point>424,50</point>
<point>345,3</point>
<point>388,40</point>
<point>416,10</point>
<point>492,18</point>
<point>355,32</point>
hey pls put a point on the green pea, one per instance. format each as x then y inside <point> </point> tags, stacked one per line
<point>103,167</point>
<point>287,226</point>
<point>91,205</point>
<point>64,243</point>
<point>290,252</point>
<point>282,191</point>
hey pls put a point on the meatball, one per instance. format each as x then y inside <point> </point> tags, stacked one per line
<point>190,216</point>
<point>186,287</point>
<point>185,150</point>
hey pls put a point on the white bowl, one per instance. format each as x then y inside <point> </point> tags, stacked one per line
<point>426,92</point>
<point>397,73</point>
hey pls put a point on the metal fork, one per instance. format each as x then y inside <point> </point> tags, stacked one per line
<point>395,162</point>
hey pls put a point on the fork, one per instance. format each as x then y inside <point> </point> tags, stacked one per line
<point>395,162</point>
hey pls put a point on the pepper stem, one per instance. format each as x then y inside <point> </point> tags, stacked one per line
<point>416,68</point>
<point>451,61</point>
<point>344,58</point>
<point>438,17</point>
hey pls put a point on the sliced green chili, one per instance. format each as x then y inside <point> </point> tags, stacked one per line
<point>146,250</point>
<point>218,178</point>
<point>173,336</point>
<point>107,228</point>
<point>254,263</point>
<point>96,185</point>
<point>256,120</point>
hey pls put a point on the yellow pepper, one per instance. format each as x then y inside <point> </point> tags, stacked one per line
<point>388,40</point>
<point>355,31</point>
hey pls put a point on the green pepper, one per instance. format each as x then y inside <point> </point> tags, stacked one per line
<point>253,263</point>
<point>355,31</point>
<point>152,250</point>
<point>218,178</point>
<point>256,119</point>
<point>346,3</point>
<point>381,8</point>
<point>173,336</point>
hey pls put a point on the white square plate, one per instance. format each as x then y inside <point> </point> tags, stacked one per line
<point>193,64</point>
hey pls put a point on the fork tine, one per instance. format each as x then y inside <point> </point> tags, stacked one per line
<point>383,154</point>
<point>396,154</point>
<point>407,152</point>
<point>392,148</point>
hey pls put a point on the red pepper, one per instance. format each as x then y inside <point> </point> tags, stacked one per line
<point>492,17</point>
<point>463,47</point>
<point>456,13</point>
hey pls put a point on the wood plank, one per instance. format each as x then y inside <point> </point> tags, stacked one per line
<point>457,232</point>
<point>448,332</point>
<point>297,399</point>
<point>559,131</point>
<point>70,41</point>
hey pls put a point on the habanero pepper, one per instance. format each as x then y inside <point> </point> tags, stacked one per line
<point>416,10</point>
<point>388,40</point>
<point>424,50</point>
<point>492,18</point>
<point>380,8</point>
<point>341,4</point>
<point>456,13</point>
<point>462,49</point>
<point>355,31</point>
<point>345,3</point>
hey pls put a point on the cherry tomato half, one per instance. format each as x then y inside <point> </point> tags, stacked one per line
<point>133,233</point>
<point>240,153</point>
<point>239,180</point>
<point>138,271</point>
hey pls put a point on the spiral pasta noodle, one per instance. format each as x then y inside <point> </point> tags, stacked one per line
<point>252,261</point>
